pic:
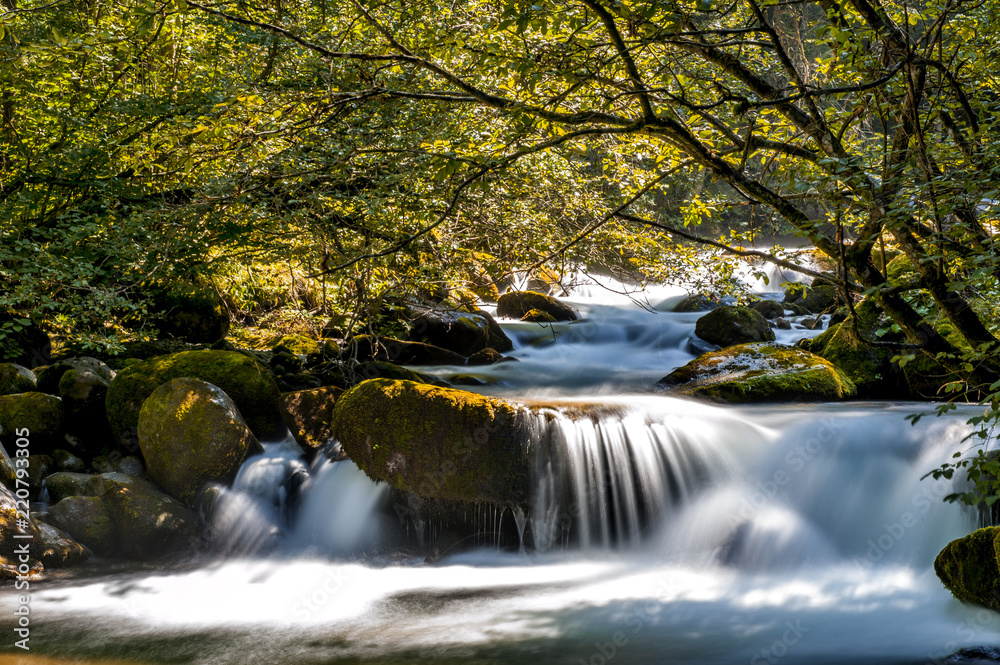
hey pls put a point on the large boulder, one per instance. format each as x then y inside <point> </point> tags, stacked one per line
<point>40,414</point>
<point>250,385</point>
<point>461,332</point>
<point>732,324</point>
<point>307,414</point>
<point>191,433</point>
<point>83,393</point>
<point>769,309</point>
<point>191,312</point>
<point>125,517</point>
<point>16,379</point>
<point>759,373</point>
<point>968,567</point>
<point>436,442</point>
<point>515,304</point>
<point>869,367</point>
<point>50,375</point>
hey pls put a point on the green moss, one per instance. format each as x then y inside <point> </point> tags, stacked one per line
<point>16,379</point>
<point>87,520</point>
<point>729,325</point>
<point>190,434</point>
<point>538,316</point>
<point>250,385</point>
<point>516,304</point>
<point>298,344</point>
<point>40,414</point>
<point>968,568</point>
<point>760,373</point>
<point>307,414</point>
<point>435,442</point>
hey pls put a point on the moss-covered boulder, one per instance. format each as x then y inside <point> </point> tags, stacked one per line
<point>485,357</point>
<point>298,344</point>
<point>461,332</point>
<point>769,309</point>
<point>250,385</point>
<point>16,379</point>
<point>191,312</point>
<point>307,414</point>
<point>190,434</point>
<point>436,442</point>
<point>538,316</point>
<point>515,304</point>
<point>731,324</point>
<point>968,567</point>
<point>66,483</point>
<point>125,517</point>
<point>49,376</point>
<point>40,414</point>
<point>759,373</point>
<point>869,367</point>
<point>84,393</point>
<point>696,303</point>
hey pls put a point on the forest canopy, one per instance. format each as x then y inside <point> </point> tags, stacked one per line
<point>370,148</point>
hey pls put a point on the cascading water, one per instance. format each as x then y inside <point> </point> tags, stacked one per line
<point>660,531</point>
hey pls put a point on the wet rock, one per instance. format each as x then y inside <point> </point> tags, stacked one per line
<point>40,414</point>
<point>463,333</point>
<point>59,550</point>
<point>782,323</point>
<point>697,346</point>
<point>515,304</point>
<point>436,442</point>
<point>759,373</point>
<point>696,303</point>
<point>769,309</point>
<point>191,433</point>
<point>538,316</point>
<point>250,385</point>
<point>126,517</point>
<point>485,357</point>
<point>968,567</point>
<point>729,325</point>
<point>16,379</point>
<point>307,414</point>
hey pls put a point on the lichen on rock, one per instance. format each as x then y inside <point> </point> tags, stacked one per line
<point>760,372</point>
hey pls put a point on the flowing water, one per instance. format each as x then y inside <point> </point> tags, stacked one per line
<point>660,531</point>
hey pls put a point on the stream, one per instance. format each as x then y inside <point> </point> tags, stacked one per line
<point>661,531</point>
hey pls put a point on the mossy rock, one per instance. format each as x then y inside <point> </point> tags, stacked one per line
<point>696,303</point>
<point>436,442</point>
<point>769,309</point>
<point>403,352</point>
<point>515,304</point>
<point>65,484</point>
<point>40,414</point>
<point>538,316</point>
<point>968,567</point>
<point>461,332</point>
<point>298,344</point>
<point>759,373</point>
<point>16,379</point>
<point>191,312</point>
<point>250,385</point>
<point>50,375</point>
<point>307,414</point>
<point>125,517</point>
<point>191,433</point>
<point>732,324</point>
<point>485,357</point>
<point>381,370</point>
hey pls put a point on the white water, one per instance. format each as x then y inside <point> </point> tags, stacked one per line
<point>662,531</point>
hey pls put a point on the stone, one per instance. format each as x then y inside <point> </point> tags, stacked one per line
<point>190,434</point>
<point>250,385</point>
<point>769,309</point>
<point>731,324</point>
<point>307,414</point>
<point>436,442</point>
<point>63,484</point>
<point>538,316</point>
<point>515,304</point>
<point>463,333</point>
<point>16,379</point>
<point>50,375</point>
<point>696,303</point>
<point>485,357</point>
<point>968,567</point>
<point>40,414</point>
<point>759,372</point>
